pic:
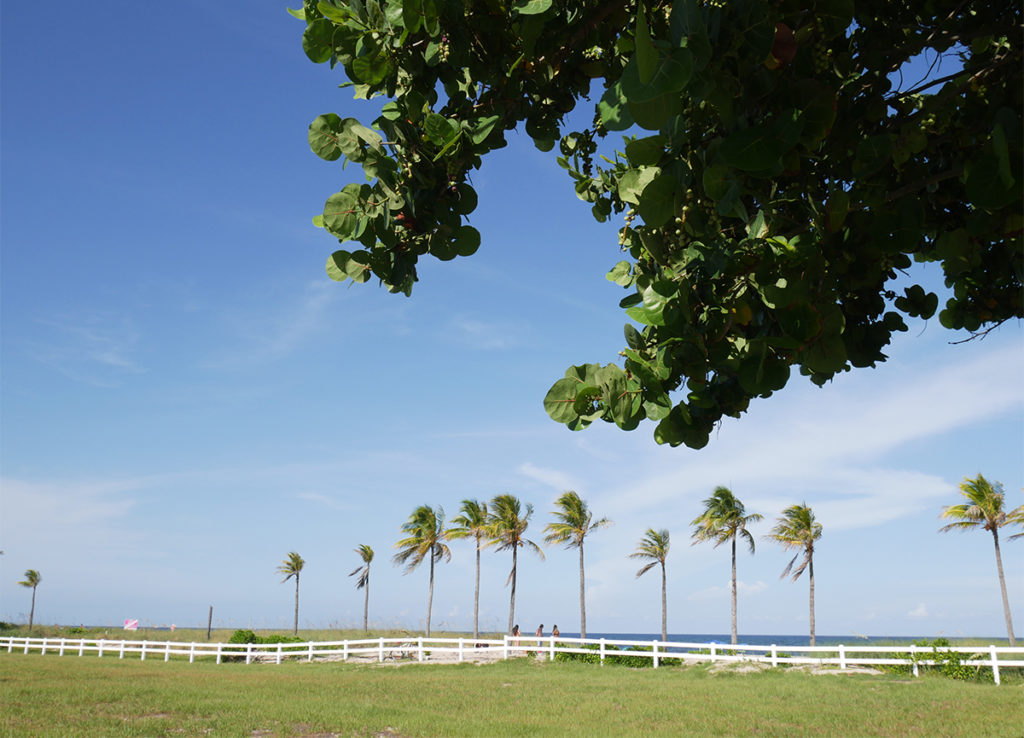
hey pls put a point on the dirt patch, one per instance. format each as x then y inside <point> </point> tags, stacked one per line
<point>737,667</point>
<point>831,669</point>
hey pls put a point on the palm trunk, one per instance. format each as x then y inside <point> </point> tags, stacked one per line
<point>664,605</point>
<point>32,612</point>
<point>735,639</point>
<point>476,594</point>
<point>1002,588</point>
<point>583,598</point>
<point>366,602</point>
<point>295,628</point>
<point>430,596</point>
<point>810,568</point>
<point>512,601</point>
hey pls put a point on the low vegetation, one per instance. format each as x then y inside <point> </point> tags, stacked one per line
<point>54,696</point>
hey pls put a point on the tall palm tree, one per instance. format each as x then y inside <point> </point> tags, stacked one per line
<point>723,520</point>
<point>507,524</point>
<point>425,539</point>
<point>292,567</point>
<point>573,523</point>
<point>984,509</point>
<point>366,554</point>
<point>653,548</point>
<point>32,579</point>
<point>472,521</point>
<point>796,528</point>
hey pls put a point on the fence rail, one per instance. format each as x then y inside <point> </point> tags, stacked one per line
<point>423,649</point>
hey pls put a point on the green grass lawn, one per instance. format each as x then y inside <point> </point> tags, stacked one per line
<point>72,696</point>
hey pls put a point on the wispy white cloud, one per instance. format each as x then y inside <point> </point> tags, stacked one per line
<point>918,613</point>
<point>825,446</point>
<point>549,477</point>
<point>92,347</point>
<point>721,592</point>
<point>325,500</point>
<point>488,335</point>
<point>272,331</point>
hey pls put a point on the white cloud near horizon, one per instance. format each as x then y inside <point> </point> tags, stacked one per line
<point>919,612</point>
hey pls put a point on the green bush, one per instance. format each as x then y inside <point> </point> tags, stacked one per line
<point>947,663</point>
<point>612,655</point>
<point>243,636</point>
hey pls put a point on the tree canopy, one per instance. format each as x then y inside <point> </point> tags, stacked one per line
<point>777,172</point>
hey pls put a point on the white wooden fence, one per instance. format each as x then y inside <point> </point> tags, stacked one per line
<point>424,649</point>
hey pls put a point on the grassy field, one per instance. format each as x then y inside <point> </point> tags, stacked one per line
<point>71,696</point>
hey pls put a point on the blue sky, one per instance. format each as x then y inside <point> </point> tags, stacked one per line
<point>186,397</point>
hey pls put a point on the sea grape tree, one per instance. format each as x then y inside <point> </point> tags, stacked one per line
<point>774,177</point>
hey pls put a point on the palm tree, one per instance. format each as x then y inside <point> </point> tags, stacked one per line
<point>291,567</point>
<point>797,528</point>
<point>723,520</point>
<point>366,554</point>
<point>507,524</point>
<point>573,523</point>
<point>32,579</point>
<point>984,508</point>
<point>472,521</point>
<point>425,538</point>
<point>653,548</point>
<point>1014,517</point>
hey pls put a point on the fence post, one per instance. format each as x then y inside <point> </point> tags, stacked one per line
<point>120,653</point>
<point>248,653</point>
<point>995,664</point>
<point>460,650</point>
<point>344,651</point>
<point>913,658</point>
<point>167,651</point>
<point>654,658</point>
<point>61,652</point>
<point>380,650</point>
<point>602,652</point>
<point>775,656</point>
<point>842,656</point>
<point>99,649</point>
<point>220,647</point>
<point>310,656</point>
<point>419,642</point>
<point>712,651</point>
<point>43,652</point>
<point>504,648</point>
<point>81,646</point>
<point>192,652</point>
<point>10,645</point>
<point>143,649</point>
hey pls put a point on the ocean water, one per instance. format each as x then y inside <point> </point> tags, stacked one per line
<point>778,640</point>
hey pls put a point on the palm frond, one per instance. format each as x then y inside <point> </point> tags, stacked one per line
<point>647,568</point>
